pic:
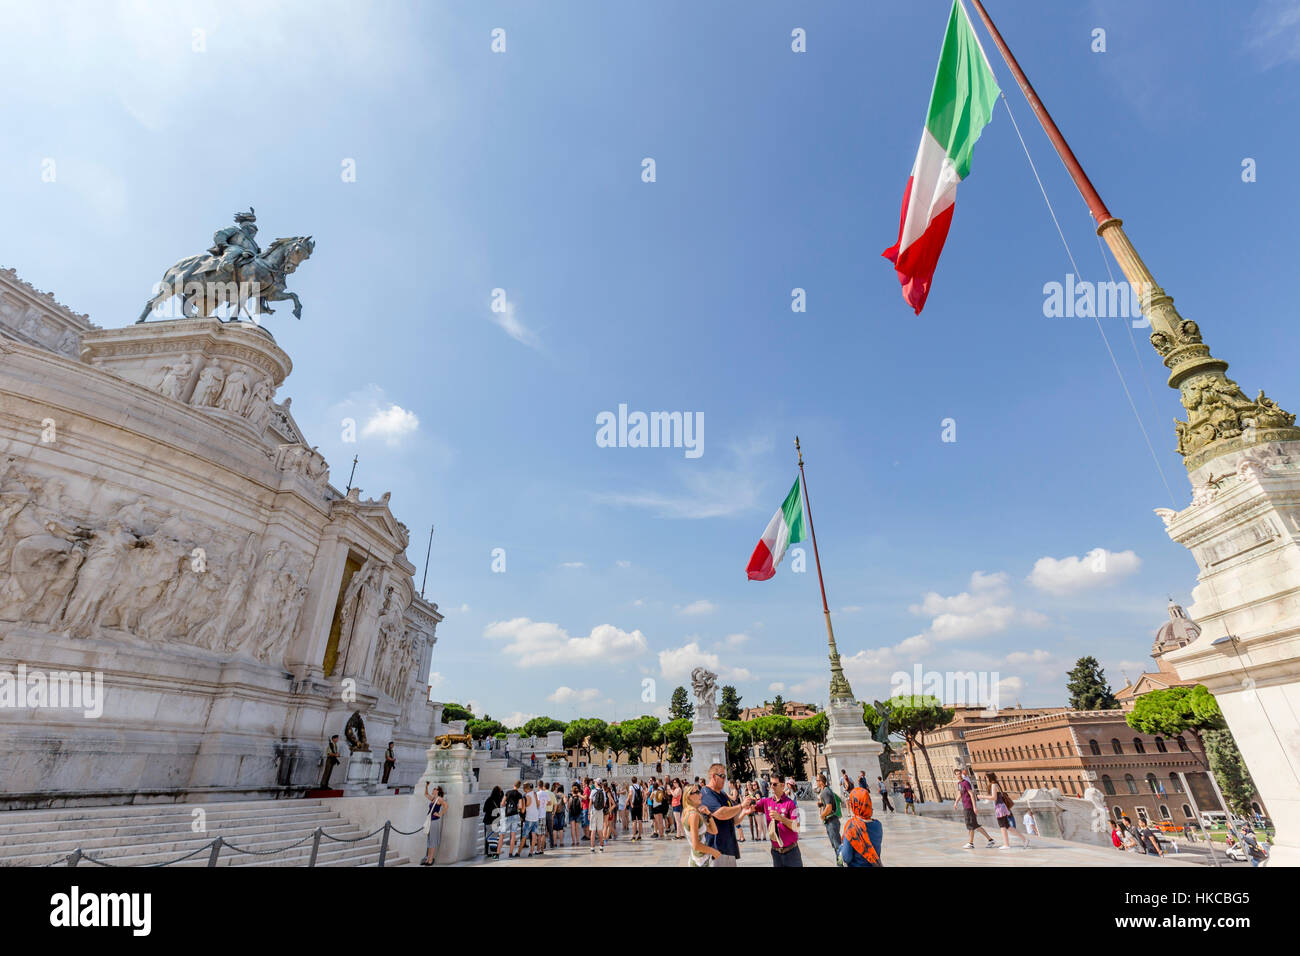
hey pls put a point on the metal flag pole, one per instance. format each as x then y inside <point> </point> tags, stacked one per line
<point>840,689</point>
<point>424,580</point>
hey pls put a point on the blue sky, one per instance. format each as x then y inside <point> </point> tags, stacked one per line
<point>522,171</point>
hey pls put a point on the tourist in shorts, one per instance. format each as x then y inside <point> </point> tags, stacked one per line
<point>635,807</point>
<point>1002,810</point>
<point>966,803</point>
<point>698,827</point>
<point>511,822</point>
<point>532,819</point>
<point>598,807</point>
<point>718,804</point>
<point>909,800</point>
<point>576,815</point>
<point>783,823</point>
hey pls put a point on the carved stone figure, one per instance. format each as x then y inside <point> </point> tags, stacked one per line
<point>235,393</point>
<point>361,605</point>
<point>105,556</point>
<point>175,376</point>
<point>705,685</point>
<point>259,403</point>
<point>209,386</point>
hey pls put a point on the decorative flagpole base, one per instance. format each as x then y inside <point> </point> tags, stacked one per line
<point>849,745</point>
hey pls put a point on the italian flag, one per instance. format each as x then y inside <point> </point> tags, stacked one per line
<point>785,528</point>
<point>961,105</point>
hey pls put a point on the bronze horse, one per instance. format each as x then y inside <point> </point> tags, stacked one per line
<point>253,282</point>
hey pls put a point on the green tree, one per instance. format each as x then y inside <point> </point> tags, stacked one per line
<point>780,743</point>
<point>585,734</point>
<point>912,716</point>
<point>1088,688</point>
<point>675,732</point>
<point>776,706</point>
<point>740,738</point>
<point>1194,710</point>
<point>812,732</point>
<point>478,729</point>
<point>680,706</point>
<point>452,712</point>
<point>541,726</point>
<point>729,705</point>
<point>641,733</point>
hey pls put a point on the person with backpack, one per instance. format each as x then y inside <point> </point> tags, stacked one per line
<point>658,810</point>
<point>635,807</point>
<point>574,813</point>
<point>1002,805</point>
<point>909,800</point>
<point>829,812</point>
<point>599,806</point>
<point>491,813</point>
<point>511,821</point>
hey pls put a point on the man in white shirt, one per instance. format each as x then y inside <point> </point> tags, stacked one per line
<point>532,819</point>
<point>545,801</point>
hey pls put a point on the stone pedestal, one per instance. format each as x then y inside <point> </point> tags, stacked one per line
<point>1244,531</point>
<point>849,744</point>
<point>708,746</point>
<point>556,769</point>
<point>362,774</point>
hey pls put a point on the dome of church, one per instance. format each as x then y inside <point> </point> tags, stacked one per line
<point>1179,631</point>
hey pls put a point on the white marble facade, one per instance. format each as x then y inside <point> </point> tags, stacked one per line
<point>165,524</point>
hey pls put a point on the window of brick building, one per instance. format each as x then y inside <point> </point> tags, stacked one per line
<point>1108,786</point>
<point>1130,783</point>
<point>1095,748</point>
<point>1175,784</point>
<point>1160,745</point>
<point>1151,782</point>
<point>1115,745</point>
<point>1137,746</point>
<point>1182,744</point>
<point>1187,811</point>
<point>1164,813</point>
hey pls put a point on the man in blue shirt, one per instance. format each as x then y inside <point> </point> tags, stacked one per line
<point>715,803</point>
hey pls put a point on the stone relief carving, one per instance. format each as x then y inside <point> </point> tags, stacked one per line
<point>175,376</point>
<point>154,576</point>
<point>235,393</point>
<point>208,388</point>
<point>1217,408</point>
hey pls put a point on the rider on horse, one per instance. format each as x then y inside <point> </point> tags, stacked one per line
<point>234,245</point>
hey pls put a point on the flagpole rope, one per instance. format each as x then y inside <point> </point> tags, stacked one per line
<point>1109,351</point>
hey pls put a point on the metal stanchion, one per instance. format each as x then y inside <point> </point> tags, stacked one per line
<point>315,847</point>
<point>383,843</point>
<point>216,851</point>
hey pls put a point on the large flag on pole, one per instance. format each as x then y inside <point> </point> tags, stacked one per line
<point>961,105</point>
<point>785,528</point>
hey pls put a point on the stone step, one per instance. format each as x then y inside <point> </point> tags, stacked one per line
<point>139,824</point>
<point>154,834</point>
<point>18,817</point>
<point>66,841</point>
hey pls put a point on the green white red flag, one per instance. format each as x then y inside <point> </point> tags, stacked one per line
<point>961,105</point>
<point>785,528</point>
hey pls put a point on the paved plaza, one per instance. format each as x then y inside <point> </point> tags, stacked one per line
<point>908,841</point>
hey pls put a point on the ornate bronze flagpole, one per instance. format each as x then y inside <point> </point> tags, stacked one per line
<point>1220,418</point>
<point>840,689</point>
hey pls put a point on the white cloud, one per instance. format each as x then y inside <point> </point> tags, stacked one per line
<point>435,679</point>
<point>517,719</point>
<point>509,321</point>
<point>539,643</point>
<point>985,590</point>
<point>638,603</point>
<point>850,609</point>
<point>392,424</point>
<point>623,564</point>
<point>1021,658</point>
<point>573,564</point>
<point>1099,567</point>
<point>717,493</point>
<point>735,640</point>
<point>1274,32</point>
<point>677,664</point>
<point>700,607</point>
<point>567,695</point>
<point>463,609</point>
<point>776,687</point>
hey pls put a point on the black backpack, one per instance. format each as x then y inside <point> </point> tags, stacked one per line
<point>636,796</point>
<point>598,799</point>
<point>512,803</point>
<point>575,806</point>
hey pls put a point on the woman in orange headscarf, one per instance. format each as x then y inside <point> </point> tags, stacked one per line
<point>862,836</point>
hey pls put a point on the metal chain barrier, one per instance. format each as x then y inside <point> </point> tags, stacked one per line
<point>215,846</point>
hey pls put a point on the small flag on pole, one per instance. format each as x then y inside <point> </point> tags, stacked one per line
<point>961,105</point>
<point>785,528</point>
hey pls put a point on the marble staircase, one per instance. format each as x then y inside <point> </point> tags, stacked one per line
<point>151,834</point>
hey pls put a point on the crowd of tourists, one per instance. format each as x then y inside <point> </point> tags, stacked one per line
<point>711,815</point>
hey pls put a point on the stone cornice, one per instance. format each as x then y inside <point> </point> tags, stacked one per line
<point>10,282</point>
